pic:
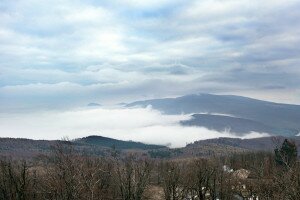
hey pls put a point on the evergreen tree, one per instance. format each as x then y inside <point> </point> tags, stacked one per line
<point>287,154</point>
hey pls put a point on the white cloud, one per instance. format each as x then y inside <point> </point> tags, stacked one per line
<point>66,95</point>
<point>86,14</point>
<point>51,44</point>
<point>139,124</point>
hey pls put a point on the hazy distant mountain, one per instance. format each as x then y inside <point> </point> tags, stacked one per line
<point>235,125</point>
<point>94,104</point>
<point>274,116</point>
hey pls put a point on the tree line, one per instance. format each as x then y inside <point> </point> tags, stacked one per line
<point>67,175</point>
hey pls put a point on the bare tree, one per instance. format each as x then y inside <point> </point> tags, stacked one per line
<point>171,181</point>
<point>15,183</point>
<point>132,177</point>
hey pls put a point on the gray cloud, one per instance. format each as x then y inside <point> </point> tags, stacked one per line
<point>60,54</point>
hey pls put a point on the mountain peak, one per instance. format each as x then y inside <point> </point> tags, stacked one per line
<point>94,104</point>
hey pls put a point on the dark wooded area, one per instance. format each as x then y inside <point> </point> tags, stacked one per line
<point>65,174</point>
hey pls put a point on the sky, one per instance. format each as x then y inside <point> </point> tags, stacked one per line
<point>60,55</point>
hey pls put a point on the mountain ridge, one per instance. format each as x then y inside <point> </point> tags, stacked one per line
<point>28,148</point>
<point>283,117</point>
<point>115,143</point>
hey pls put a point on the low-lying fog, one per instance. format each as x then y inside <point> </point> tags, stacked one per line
<point>138,124</point>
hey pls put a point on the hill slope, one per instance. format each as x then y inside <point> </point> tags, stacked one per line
<point>226,146</point>
<point>26,148</point>
<point>256,144</point>
<point>118,144</point>
<point>92,145</point>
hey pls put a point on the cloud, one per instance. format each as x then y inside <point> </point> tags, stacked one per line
<point>139,124</point>
<point>63,53</point>
<point>67,95</point>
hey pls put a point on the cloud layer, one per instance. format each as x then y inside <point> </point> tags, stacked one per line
<point>63,53</point>
<point>139,124</point>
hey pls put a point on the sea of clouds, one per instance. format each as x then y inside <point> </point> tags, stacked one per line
<point>139,124</point>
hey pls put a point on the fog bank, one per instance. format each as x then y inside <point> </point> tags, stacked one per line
<point>138,124</point>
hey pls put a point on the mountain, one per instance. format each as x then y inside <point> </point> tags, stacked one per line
<point>94,105</point>
<point>274,116</point>
<point>117,144</point>
<point>91,145</point>
<point>238,126</point>
<point>102,146</point>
